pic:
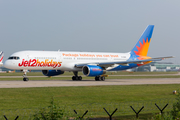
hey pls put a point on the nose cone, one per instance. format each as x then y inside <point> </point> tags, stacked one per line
<point>8,64</point>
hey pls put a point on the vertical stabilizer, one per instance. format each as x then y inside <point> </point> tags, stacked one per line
<point>142,46</point>
<point>1,58</point>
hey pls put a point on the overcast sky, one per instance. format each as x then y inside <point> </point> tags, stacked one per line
<point>89,25</point>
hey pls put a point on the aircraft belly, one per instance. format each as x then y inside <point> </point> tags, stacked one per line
<point>121,67</point>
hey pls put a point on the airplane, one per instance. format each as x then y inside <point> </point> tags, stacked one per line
<point>92,64</point>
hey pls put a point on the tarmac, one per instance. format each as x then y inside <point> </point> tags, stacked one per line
<point>65,83</point>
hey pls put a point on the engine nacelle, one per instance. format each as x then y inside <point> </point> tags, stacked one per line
<point>92,70</point>
<point>52,72</point>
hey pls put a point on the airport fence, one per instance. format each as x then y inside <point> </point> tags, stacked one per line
<point>94,110</point>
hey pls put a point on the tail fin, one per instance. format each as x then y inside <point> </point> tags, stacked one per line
<point>1,58</point>
<point>142,46</point>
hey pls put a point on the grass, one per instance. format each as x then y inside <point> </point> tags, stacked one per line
<point>39,97</point>
<point>36,97</point>
<point>92,98</point>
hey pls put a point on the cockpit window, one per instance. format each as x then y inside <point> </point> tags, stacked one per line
<point>13,58</point>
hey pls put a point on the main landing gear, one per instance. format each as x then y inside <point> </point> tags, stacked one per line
<point>76,77</point>
<point>25,78</point>
<point>79,78</point>
<point>99,78</point>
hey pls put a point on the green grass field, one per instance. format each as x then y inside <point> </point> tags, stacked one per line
<point>25,101</point>
<point>85,98</point>
<point>39,97</point>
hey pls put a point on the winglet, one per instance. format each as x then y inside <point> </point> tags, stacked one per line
<point>142,46</point>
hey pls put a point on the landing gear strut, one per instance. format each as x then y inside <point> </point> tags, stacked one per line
<point>76,77</point>
<point>25,78</point>
<point>99,78</point>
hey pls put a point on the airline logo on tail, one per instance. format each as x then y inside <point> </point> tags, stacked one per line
<point>141,48</point>
<point>1,56</point>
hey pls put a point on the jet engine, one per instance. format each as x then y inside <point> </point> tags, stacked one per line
<point>52,72</point>
<point>92,70</point>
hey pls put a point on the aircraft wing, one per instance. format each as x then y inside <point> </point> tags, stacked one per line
<point>125,63</point>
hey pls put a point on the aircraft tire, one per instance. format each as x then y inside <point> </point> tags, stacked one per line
<point>103,78</point>
<point>79,78</point>
<point>73,78</point>
<point>97,78</point>
<point>76,78</point>
<point>25,79</point>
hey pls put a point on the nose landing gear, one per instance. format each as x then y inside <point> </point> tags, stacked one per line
<point>25,78</point>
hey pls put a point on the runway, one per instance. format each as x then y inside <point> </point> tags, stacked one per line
<point>62,83</point>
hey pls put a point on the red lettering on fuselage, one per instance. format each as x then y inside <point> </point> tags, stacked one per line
<point>38,63</point>
<point>21,64</point>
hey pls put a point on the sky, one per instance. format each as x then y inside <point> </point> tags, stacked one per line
<point>89,25</point>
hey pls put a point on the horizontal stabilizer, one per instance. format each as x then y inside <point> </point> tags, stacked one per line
<point>162,58</point>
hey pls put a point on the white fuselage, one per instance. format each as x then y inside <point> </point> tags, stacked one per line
<point>59,60</point>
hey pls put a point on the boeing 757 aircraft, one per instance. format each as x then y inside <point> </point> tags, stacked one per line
<point>92,64</point>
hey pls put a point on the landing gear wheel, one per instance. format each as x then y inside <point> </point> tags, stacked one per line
<point>79,78</point>
<point>98,78</point>
<point>76,78</point>
<point>103,78</point>
<point>24,76</point>
<point>25,79</point>
<point>73,78</point>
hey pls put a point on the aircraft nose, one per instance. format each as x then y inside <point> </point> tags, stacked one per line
<point>7,64</point>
